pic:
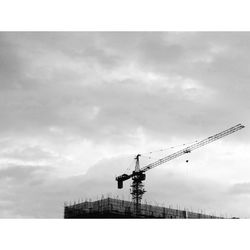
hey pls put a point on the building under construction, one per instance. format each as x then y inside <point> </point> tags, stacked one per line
<point>115,208</point>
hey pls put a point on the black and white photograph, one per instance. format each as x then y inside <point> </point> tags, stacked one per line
<point>124,125</point>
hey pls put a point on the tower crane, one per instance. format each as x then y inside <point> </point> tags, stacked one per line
<point>138,175</point>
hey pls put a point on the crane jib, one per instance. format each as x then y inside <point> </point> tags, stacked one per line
<point>193,147</point>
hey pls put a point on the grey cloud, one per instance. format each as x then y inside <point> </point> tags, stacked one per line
<point>10,64</point>
<point>43,102</point>
<point>27,197</point>
<point>32,192</point>
<point>28,153</point>
<point>240,189</point>
<point>77,83</point>
<point>23,173</point>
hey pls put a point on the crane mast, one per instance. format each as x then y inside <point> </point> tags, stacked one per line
<point>138,175</point>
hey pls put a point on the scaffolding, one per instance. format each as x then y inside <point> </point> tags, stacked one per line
<point>116,208</point>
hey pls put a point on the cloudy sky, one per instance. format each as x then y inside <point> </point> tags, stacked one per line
<point>77,107</point>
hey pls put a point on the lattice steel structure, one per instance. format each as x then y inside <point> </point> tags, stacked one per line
<point>138,175</point>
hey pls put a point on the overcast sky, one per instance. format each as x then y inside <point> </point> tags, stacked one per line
<point>76,108</point>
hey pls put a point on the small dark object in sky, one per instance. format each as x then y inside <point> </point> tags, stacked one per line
<point>186,160</point>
